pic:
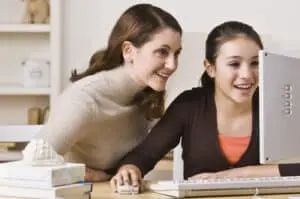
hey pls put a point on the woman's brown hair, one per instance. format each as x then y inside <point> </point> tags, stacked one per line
<point>137,25</point>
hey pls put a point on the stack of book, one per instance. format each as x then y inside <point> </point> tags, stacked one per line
<point>53,182</point>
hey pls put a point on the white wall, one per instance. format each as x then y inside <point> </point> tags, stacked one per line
<point>87,25</point>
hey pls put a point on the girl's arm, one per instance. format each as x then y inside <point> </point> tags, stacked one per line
<point>242,172</point>
<point>164,136</point>
<point>292,169</point>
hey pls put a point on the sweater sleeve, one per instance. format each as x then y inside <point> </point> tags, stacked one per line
<point>163,137</point>
<point>67,120</point>
<point>289,169</point>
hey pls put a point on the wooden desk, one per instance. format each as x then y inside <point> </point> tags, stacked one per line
<point>103,191</point>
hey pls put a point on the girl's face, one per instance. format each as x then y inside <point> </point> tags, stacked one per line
<point>154,62</point>
<point>236,69</point>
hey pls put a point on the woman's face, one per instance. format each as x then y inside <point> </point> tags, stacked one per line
<point>155,61</point>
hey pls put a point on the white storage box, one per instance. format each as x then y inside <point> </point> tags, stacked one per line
<point>36,73</point>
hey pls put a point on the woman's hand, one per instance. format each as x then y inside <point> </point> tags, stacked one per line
<point>242,172</point>
<point>127,174</point>
<point>92,175</point>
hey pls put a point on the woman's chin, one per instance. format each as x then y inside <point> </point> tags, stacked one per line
<point>158,87</point>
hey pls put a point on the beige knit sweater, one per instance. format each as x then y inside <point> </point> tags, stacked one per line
<point>95,121</point>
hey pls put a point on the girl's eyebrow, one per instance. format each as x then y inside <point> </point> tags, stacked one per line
<point>234,57</point>
<point>239,57</point>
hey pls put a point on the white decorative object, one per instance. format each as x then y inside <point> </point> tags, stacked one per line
<point>36,73</point>
<point>40,153</point>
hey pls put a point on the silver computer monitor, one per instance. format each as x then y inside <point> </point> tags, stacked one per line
<point>279,108</point>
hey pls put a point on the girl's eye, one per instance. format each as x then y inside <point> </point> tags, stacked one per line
<point>234,64</point>
<point>254,63</point>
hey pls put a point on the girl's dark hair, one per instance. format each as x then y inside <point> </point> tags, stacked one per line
<point>221,34</point>
<point>137,25</point>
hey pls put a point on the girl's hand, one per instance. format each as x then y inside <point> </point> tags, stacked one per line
<point>242,172</point>
<point>127,174</point>
<point>203,176</point>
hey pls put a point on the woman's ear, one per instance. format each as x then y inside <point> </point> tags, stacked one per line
<point>128,51</point>
<point>210,69</point>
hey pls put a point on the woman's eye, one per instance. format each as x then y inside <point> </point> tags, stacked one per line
<point>177,55</point>
<point>162,52</point>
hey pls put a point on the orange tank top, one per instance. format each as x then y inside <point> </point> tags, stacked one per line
<point>233,147</point>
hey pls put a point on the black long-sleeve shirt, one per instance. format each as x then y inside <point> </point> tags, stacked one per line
<point>192,117</point>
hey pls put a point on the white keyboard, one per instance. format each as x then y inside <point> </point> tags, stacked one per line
<point>226,187</point>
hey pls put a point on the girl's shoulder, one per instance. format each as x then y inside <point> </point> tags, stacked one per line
<point>196,94</point>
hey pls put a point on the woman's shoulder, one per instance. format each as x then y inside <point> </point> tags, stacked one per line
<point>88,82</point>
<point>82,90</point>
<point>88,85</point>
<point>103,87</point>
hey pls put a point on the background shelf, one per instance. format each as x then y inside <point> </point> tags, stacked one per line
<point>15,90</point>
<point>22,28</point>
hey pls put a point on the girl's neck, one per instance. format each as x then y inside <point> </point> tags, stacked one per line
<point>231,109</point>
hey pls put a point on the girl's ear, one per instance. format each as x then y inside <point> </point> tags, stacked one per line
<point>210,69</point>
<point>128,50</point>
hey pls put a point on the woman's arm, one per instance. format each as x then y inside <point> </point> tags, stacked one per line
<point>95,175</point>
<point>67,120</point>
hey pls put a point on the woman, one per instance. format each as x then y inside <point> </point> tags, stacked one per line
<point>218,122</point>
<point>106,112</point>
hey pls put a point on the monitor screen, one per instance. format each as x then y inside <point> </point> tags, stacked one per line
<point>279,108</point>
